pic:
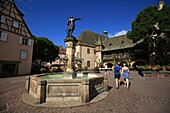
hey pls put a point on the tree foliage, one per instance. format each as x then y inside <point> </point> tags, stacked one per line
<point>44,50</point>
<point>143,27</point>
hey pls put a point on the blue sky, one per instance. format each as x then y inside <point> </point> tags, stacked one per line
<point>48,18</point>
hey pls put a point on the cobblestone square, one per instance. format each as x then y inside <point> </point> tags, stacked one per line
<point>146,95</point>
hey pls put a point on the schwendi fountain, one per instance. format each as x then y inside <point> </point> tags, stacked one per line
<point>69,87</point>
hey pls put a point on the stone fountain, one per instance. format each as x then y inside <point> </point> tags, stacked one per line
<point>66,87</point>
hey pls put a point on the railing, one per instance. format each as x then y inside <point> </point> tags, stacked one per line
<point>115,56</point>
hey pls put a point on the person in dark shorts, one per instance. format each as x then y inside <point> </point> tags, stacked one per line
<point>117,71</point>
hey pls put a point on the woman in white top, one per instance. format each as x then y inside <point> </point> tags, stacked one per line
<point>125,74</point>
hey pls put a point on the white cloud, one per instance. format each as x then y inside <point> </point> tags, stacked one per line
<point>123,32</point>
<point>110,35</point>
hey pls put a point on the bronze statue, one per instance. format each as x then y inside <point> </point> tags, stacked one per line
<point>71,24</point>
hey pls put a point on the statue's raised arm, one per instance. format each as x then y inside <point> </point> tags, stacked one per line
<point>71,24</point>
<point>78,18</point>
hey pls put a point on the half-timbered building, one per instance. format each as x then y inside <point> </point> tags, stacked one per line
<point>16,41</point>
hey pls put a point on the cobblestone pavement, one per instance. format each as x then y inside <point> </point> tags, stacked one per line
<point>146,95</point>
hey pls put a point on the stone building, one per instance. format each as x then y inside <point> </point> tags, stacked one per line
<point>16,41</point>
<point>95,48</point>
<point>88,49</point>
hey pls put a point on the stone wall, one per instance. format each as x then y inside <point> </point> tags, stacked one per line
<point>65,90</point>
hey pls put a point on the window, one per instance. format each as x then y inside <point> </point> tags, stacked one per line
<point>3,36</point>
<point>88,63</point>
<point>96,57</point>
<point>23,55</point>
<point>122,43</point>
<point>15,24</point>
<point>1,3</point>
<point>2,18</point>
<point>25,41</point>
<point>88,51</point>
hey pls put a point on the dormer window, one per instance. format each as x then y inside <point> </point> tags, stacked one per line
<point>15,24</point>
<point>110,46</point>
<point>122,43</point>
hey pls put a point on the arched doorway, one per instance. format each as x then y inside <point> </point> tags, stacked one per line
<point>109,65</point>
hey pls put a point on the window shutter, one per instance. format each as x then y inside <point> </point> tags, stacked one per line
<point>20,40</point>
<point>24,55</point>
<point>3,36</point>
<point>2,18</point>
<point>29,42</point>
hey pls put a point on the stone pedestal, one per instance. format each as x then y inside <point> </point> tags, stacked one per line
<point>70,51</point>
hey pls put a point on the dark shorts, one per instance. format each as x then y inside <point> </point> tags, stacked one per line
<point>117,76</point>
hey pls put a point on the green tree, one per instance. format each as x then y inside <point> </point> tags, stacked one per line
<point>44,50</point>
<point>143,27</point>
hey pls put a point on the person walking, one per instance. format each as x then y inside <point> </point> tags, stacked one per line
<point>125,74</point>
<point>117,71</point>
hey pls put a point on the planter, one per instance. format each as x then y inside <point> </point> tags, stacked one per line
<point>161,74</point>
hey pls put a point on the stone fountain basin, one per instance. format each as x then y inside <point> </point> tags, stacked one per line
<point>79,90</point>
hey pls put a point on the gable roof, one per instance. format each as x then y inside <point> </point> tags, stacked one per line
<point>113,43</point>
<point>90,37</point>
<point>21,16</point>
<point>16,14</point>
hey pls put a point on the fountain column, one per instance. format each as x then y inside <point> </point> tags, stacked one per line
<point>70,42</point>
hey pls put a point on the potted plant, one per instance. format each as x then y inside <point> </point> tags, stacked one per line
<point>167,67</point>
<point>96,69</point>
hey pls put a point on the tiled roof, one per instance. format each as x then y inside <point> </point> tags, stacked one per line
<point>62,50</point>
<point>113,43</point>
<point>90,37</point>
<point>119,42</point>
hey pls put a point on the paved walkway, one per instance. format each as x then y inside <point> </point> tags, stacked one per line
<point>146,95</point>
